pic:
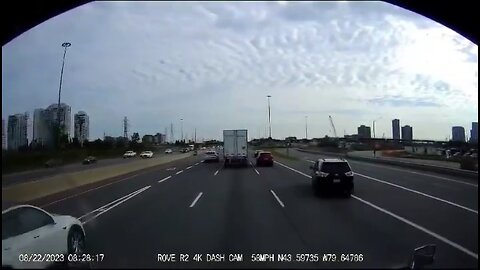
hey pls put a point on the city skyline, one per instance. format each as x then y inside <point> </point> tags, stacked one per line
<point>355,61</point>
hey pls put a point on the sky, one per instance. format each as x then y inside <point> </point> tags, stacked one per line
<point>212,64</point>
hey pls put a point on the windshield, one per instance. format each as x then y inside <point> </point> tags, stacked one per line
<point>191,134</point>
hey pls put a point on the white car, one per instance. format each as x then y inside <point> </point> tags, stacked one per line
<point>146,154</point>
<point>129,154</point>
<point>168,151</point>
<point>28,230</point>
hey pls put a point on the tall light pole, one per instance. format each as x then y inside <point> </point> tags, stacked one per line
<point>65,45</point>
<point>306,127</point>
<point>269,119</point>
<point>181,128</point>
<point>374,126</point>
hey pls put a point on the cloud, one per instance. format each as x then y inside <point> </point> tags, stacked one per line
<point>213,63</point>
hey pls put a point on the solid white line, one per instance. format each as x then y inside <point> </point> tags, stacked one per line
<point>196,199</point>
<point>311,161</point>
<point>306,175</point>
<point>179,172</point>
<point>278,199</point>
<point>420,193</point>
<point>189,167</point>
<point>166,178</point>
<point>78,194</point>
<point>439,237</point>
<point>413,172</point>
<point>417,192</point>
<point>103,209</point>
<point>216,172</point>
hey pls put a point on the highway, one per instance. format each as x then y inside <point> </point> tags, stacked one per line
<point>191,207</point>
<point>34,175</point>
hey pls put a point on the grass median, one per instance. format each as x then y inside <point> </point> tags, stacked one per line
<point>33,190</point>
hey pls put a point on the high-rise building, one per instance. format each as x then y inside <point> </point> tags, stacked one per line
<point>65,117</point>
<point>364,132</point>
<point>4,138</point>
<point>81,124</point>
<point>407,133</point>
<point>458,134</point>
<point>17,131</point>
<point>43,128</point>
<point>396,129</point>
<point>474,133</point>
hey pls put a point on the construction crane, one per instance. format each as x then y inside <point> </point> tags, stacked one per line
<point>333,126</point>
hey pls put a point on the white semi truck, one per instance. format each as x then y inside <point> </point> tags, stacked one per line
<point>235,148</point>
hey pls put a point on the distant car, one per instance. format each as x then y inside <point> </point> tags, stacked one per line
<point>203,148</point>
<point>211,156</point>
<point>185,150</point>
<point>331,174</point>
<point>89,160</point>
<point>255,155</point>
<point>474,155</point>
<point>54,162</point>
<point>146,154</point>
<point>29,230</point>
<point>168,151</point>
<point>129,154</point>
<point>264,159</point>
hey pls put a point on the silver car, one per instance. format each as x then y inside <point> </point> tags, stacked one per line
<point>211,156</point>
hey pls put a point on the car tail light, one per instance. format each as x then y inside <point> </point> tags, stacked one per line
<point>350,173</point>
<point>322,174</point>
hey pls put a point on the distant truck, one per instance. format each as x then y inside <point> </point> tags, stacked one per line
<point>235,148</point>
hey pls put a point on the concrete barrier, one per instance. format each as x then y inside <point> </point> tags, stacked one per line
<point>29,191</point>
<point>418,166</point>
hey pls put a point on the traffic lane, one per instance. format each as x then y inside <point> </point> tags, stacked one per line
<point>339,225</point>
<point>78,204</point>
<point>457,192</point>
<point>439,216</point>
<point>236,214</point>
<point>394,169</point>
<point>36,175</point>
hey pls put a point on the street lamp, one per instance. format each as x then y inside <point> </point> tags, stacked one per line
<point>65,45</point>
<point>181,123</point>
<point>306,127</point>
<point>269,119</point>
<point>374,126</point>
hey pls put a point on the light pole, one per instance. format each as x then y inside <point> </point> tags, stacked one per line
<point>269,119</point>
<point>374,126</point>
<point>65,45</point>
<point>306,127</point>
<point>181,124</point>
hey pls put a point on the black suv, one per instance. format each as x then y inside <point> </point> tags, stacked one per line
<point>332,174</point>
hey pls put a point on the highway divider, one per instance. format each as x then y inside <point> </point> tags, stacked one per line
<point>29,191</point>
<point>418,166</point>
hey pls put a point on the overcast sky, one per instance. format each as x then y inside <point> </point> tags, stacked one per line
<point>213,64</point>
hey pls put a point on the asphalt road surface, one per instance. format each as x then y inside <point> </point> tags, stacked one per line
<point>260,213</point>
<point>34,175</point>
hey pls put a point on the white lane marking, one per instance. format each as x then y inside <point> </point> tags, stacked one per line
<point>107,207</point>
<point>413,172</point>
<point>216,172</point>
<point>299,172</point>
<point>196,199</point>
<point>311,161</point>
<point>179,172</point>
<point>197,163</point>
<point>254,168</point>
<point>439,237</point>
<point>202,161</point>
<point>164,179</point>
<point>419,193</point>
<point>278,199</point>
<point>172,169</point>
<point>78,194</point>
<point>189,167</point>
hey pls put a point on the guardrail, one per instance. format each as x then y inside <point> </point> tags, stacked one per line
<point>419,166</point>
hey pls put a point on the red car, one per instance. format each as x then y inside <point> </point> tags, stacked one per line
<point>265,159</point>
